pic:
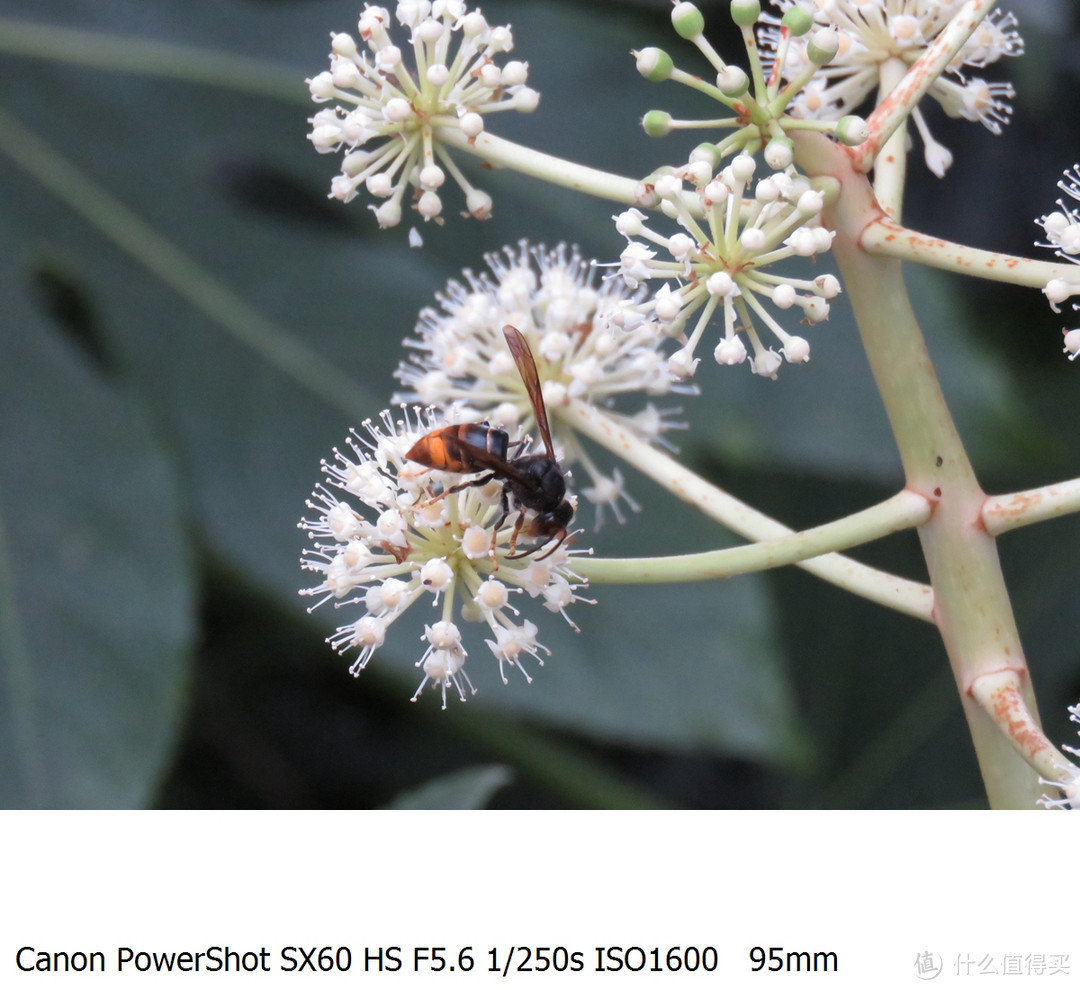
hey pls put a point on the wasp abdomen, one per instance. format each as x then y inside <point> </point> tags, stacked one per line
<point>491,438</point>
<point>455,448</point>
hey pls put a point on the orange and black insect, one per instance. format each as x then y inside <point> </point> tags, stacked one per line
<point>531,482</point>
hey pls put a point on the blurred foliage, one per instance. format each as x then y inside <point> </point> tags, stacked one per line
<point>189,326</point>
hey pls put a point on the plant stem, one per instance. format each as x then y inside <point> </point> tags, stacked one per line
<point>1001,695</point>
<point>902,511</point>
<point>558,171</point>
<point>894,110</point>
<point>888,239</point>
<point>971,603</point>
<point>890,166</point>
<point>909,597</point>
<point>1001,513</point>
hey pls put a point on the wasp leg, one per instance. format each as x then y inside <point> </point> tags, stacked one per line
<point>514,536</point>
<point>498,525</point>
<point>562,537</point>
<point>475,483</point>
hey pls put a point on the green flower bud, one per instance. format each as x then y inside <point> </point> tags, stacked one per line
<point>707,152</point>
<point>654,64</point>
<point>688,21</point>
<point>822,47</point>
<point>745,12</point>
<point>656,123</point>
<point>852,130</point>
<point>779,153</point>
<point>733,81</point>
<point>797,21</point>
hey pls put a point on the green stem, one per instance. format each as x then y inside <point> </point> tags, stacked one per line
<point>548,168</point>
<point>971,603</point>
<point>888,239</point>
<point>906,596</point>
<point>902,511</point>
<point>890,166</point>
<point>152,58</point>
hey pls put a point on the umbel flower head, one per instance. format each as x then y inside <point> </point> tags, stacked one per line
<point>722,264</point>
<point>760,120</point>
<point>388,533</point>
<point>396,110</point>
<point>1062,229</point>
<point>874,35</point>
<point>591,343</point>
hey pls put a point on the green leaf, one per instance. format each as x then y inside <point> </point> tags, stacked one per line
<point>95,585</point>
<point>463,790</point>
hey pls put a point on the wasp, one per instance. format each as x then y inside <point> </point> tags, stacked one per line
<point>530,481</point>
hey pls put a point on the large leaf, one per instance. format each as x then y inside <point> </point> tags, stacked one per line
<point>95,584</point>
<point>465,789</point>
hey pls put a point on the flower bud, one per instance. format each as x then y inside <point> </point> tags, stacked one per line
<point>823,45</point>
<point>732,81</point>
<point>779,153</point>
<point>797,20</point>
<point>852,130</point>
<point>656,123</point>
<point>688,21</point>
<point>479,204</point>
<point>745,12</point>
<point>654,64</point>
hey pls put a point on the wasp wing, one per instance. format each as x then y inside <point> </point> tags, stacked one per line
<point>526,366</point>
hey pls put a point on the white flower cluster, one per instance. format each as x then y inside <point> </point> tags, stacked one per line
<point>1070,786</point>
<point>722,262</point>
<point>1062,230</point>
<point>395,111</point>
<point>596,343</point>
<point>872,35</point>
<point>389,532</point>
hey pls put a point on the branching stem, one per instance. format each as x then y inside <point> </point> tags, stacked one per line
<point>498,151</point>
<point>895,108</point>
<point>909,597</point>
<point>1000,513</point>
<point>885,238</point>
<point>902,511</point>
<point>971,603</point>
